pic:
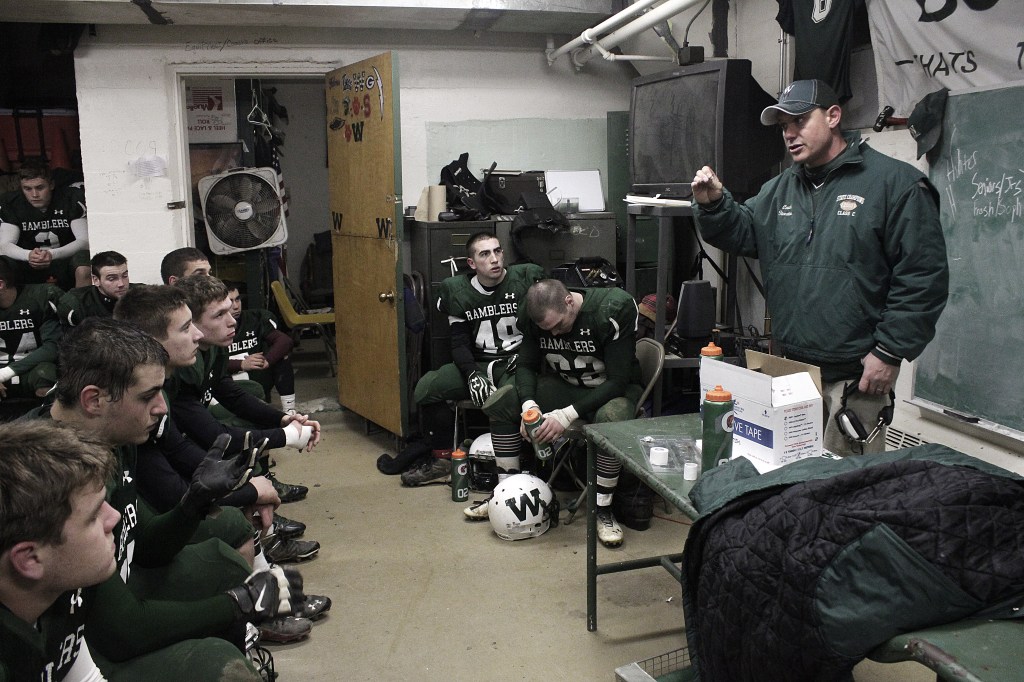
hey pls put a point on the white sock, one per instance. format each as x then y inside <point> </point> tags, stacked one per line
<point>288,402</point>
<point>260,562</point>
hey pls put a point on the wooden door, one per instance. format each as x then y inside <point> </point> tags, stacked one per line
<point>366,215</point>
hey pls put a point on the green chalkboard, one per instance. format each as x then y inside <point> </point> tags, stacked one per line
<point>975,365</point>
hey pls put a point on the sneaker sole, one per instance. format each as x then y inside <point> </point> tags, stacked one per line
<point>272,637</point>
<point>446,479</point>
<point>268,638</point>
<point>293,560</point>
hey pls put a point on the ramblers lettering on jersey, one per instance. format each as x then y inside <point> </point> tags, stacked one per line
<point>606,315</point>
<point>492,314</point>
<point>251,332</point>
<point>44,229</point>
<point>28,324</point>
<point>48,651</point>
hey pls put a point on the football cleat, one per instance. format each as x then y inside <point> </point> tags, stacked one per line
<point>285,629</point>
<point>478,511</point>
<point>608,530</point>
<point>431,471</point>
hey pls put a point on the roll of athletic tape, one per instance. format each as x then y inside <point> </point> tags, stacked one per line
<point>659,456</point>
<point>690,471</point>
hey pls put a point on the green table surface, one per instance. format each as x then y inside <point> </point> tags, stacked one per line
<point>622,439</point>
<point>967,650</point>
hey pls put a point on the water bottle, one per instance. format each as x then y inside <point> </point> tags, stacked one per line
<point>711,351</point>
<point>460,476</point>
<point>717,428</point>
<point>532,418</point>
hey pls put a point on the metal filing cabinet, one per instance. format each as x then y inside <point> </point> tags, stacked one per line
<point>589,235</point>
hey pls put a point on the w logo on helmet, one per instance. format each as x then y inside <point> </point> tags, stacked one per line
<point>521,507</point>
<point>528,501</point>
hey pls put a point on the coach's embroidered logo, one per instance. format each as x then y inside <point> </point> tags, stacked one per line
<point>848,204</point>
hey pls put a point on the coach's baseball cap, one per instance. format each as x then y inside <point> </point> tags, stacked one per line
<point>925,122</point>
<point>799,98</point>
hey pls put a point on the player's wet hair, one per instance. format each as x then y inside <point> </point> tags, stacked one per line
<point>477,237</point>
<point>173,264</point>
<point>106,259</point>
<point>34,167</point>
<point>545,295</point>
<point>201,291</point>
<point>103,352</point>
<point>42,466</point>
<point>150,308</point>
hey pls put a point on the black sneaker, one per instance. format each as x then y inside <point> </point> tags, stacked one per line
<point>288,492</point>
<point>432,470</point>
<point>285,629</point>
<point>287,528</point>
<point>281,551</point>
<point>315,607</point>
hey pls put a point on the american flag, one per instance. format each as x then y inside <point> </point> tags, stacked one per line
<point>275,163</point>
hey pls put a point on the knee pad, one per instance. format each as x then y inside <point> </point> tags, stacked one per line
<point>503,405</point>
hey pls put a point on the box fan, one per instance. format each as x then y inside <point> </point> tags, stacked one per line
<point>242,210</point>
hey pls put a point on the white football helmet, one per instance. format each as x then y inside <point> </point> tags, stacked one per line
<point>520,507</point>
<point>482,447</point>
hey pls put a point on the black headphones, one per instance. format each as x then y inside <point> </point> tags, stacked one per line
<point>851,426</point>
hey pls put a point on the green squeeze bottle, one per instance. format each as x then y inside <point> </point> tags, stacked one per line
<point>717,428</point>
<point>460,476</point>
<point>532,418</point>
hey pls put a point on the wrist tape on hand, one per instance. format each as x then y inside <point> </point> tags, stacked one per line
<point>297,435</point>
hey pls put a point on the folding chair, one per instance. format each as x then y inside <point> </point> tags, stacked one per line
<point>297,321</point>
<point>651,356</point>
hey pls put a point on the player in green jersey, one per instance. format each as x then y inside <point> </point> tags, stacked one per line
<point>56,537</point>
<point>43,229</point>
<point>109,284</point>
<point>584,342</point>
<point>259,351</point>
<point>29,332</point>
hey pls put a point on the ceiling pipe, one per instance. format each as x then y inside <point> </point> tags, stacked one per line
<point>590,35</point>
<point>613,57</point>
<point>665,11</point>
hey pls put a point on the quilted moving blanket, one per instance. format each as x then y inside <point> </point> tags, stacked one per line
<point>798,574</point>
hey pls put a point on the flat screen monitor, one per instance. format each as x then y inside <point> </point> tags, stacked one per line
<point>703,114</point>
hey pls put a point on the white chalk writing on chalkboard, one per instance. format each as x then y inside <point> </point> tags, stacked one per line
<point>973,365</point>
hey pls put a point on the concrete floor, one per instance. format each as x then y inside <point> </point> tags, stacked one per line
<point>421,594</point>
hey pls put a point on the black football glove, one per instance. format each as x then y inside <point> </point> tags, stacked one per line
<point>268,593</point>
<point>480,388</point>
<point>216,475</point>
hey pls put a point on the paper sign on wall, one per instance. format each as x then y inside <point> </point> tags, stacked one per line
<point>210,103</point>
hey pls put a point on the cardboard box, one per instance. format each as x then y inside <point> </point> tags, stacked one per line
<point>777,410</point>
